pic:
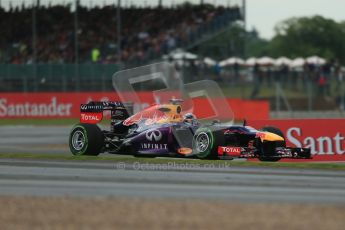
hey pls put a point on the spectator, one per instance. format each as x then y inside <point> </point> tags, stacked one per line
<point>326,74</point>
<point>257,81</point>
<point>95,55</point>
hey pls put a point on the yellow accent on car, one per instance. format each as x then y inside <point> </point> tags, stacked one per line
<point>184,151</point>
<point>270,137</point>
<point>171,114</point>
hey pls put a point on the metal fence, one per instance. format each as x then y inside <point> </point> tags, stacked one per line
<point>56,77</point>
<point>291,92</point>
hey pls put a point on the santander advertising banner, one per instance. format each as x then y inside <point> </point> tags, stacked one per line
<point>47,105</point>
<point>325,137</point>
<point>67,105</point>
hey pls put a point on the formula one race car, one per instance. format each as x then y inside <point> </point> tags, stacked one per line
<point>164,130</point>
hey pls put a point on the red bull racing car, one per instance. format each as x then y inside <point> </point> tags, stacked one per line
<point>164,130</point>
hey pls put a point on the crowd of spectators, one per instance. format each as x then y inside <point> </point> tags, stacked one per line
<point>324,79</point>
<point>145,33</point>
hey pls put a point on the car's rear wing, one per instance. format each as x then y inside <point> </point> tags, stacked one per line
<point>92,112</point>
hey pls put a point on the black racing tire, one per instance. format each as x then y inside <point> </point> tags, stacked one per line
<point>206,141</point>
<point>277,131</point>
<point>86,139</point>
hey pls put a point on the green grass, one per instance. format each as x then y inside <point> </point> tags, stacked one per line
<point>130,159</point>
<point>41,122</point>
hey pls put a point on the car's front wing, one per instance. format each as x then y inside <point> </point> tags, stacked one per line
<point>230,152</point>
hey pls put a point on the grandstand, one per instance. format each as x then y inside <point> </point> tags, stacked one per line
<point>61,47</point>
<point>146,32</point>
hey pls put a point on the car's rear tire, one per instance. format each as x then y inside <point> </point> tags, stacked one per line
<point>86,139</point>
<point>267,150</point>
<point>206,141</point>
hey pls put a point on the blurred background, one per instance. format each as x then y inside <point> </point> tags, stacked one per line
<point>77,45</point>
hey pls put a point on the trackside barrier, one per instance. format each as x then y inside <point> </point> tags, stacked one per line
<point>66,105</point>
<point>325,137</point>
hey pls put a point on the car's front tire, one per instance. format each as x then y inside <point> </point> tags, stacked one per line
<point>86,139</point>
<point>206,141</point>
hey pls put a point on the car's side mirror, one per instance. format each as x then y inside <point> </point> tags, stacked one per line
<point>215,122</point>
<point>164,109</point>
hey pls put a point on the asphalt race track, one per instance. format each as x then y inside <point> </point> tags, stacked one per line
<point>34,139</point>
<point>93,179</point>
<point>100,179</point>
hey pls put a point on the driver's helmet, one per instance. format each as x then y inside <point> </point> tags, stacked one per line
<point>189,118</point>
